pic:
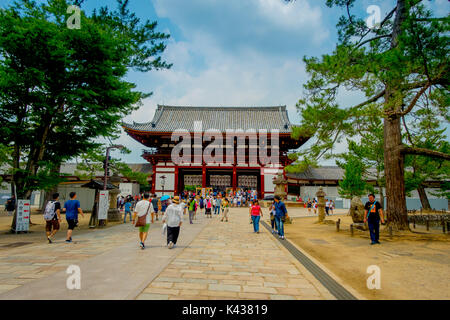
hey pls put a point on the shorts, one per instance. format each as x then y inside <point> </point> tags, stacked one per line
<point>208,211</point>
<point>72,223</point>
<point>144,228</point>
<point>52,224</point>
<point>155,210</point>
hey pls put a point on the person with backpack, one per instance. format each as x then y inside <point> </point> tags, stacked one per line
<point>191,209</point>
<point>52,217</point>
<point>280,216</point>
<point>72,207</point>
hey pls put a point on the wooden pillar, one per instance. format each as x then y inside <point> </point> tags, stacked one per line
<point>176,182</point>
<point>153,179</point>
<point>204,176</point>
<point>261,191</point>
<point>234,178</point>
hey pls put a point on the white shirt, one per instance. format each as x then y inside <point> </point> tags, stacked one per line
<point>173,215</point>
<point>141,209</point>
<point>328,204</point>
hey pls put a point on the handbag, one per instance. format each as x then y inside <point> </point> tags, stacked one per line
<point>142,220</point>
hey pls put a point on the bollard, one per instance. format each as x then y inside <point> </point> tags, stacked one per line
<point>448,226</point>
<point>390,231</point>
<point>428,225</point>
<point>443,227</point>
<point>351,229</point>
<point>338,224</point>
<point>414,224</point>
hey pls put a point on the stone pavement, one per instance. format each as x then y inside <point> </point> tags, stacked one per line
<point>213,260</point>
<point>228,261</point>
<point>111,263</point>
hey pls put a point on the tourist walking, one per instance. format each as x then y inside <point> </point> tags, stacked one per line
<point>373,215</point>
<point>202,204</point>
<point>280,216</point>
<point>208,207</point>
<point>225,209</point>
<point>72,207</point>
<point>52,217</point>
<point>309,204</point>
<point>142,210</point>
<point>327,206</point>
<point>10,205</point>
<point>127,206</point>
<point>173,217</point>
<point>191,209</point>
<point>217,204</point>
<point>155,207</point>
<point>255,214</point>
<point>272,216</point>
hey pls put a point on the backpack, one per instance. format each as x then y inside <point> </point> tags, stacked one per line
<point>49,211</point>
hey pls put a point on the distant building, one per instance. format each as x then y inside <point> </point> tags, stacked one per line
<point>241,131</point>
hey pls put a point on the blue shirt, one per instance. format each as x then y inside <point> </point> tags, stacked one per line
<point>280,209</point>
<point>72,209</point>
<point>127,206</point>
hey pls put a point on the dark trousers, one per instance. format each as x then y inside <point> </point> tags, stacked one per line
<point>273,223</point>
<point>374,229</point>
<point>172,234</point>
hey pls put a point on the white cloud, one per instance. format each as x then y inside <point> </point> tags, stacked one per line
<point>232,53</point>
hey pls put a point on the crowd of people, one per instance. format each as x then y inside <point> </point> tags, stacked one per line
<point>313,204</point>
<point>144,209</point>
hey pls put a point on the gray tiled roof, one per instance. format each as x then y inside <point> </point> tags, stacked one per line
<point>70,168</point>
<point>170,118</point>
<point>327,173</point>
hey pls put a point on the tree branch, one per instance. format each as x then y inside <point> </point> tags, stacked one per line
<point>374,38</point>
<point>373,99</point>
<point>414,100</point>
<point>425,152</point>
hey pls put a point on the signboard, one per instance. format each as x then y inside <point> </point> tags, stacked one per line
<point>103,205</point>
<point>23,215</point>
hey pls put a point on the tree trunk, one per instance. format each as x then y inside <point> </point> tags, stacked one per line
<point>423,198</point>
<point>394,172</point>
<point>381,195</point>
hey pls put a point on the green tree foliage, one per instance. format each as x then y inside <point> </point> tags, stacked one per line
<point>353,182</point>
<point>62,88</point>
<point>91,163</point>
<point>394,65</point>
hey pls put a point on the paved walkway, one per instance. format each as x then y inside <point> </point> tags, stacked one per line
<point>214,260</point>
<point>111,263</point>
<point>228,261</point>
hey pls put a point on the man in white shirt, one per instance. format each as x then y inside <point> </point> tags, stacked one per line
<point>143,208</point>
<point>327,206</point>
<point>173,217</point>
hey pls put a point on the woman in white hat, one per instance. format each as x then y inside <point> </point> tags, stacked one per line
<point>173,217</point>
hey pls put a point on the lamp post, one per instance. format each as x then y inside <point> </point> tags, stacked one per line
<point>116,146</point>
<point>163,182</point>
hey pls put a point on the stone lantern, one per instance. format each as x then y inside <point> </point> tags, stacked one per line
<point>280,186</point>
<point>321,203</point>
<point>114,213</point>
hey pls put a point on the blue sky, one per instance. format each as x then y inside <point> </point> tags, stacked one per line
<point>236,52</point>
